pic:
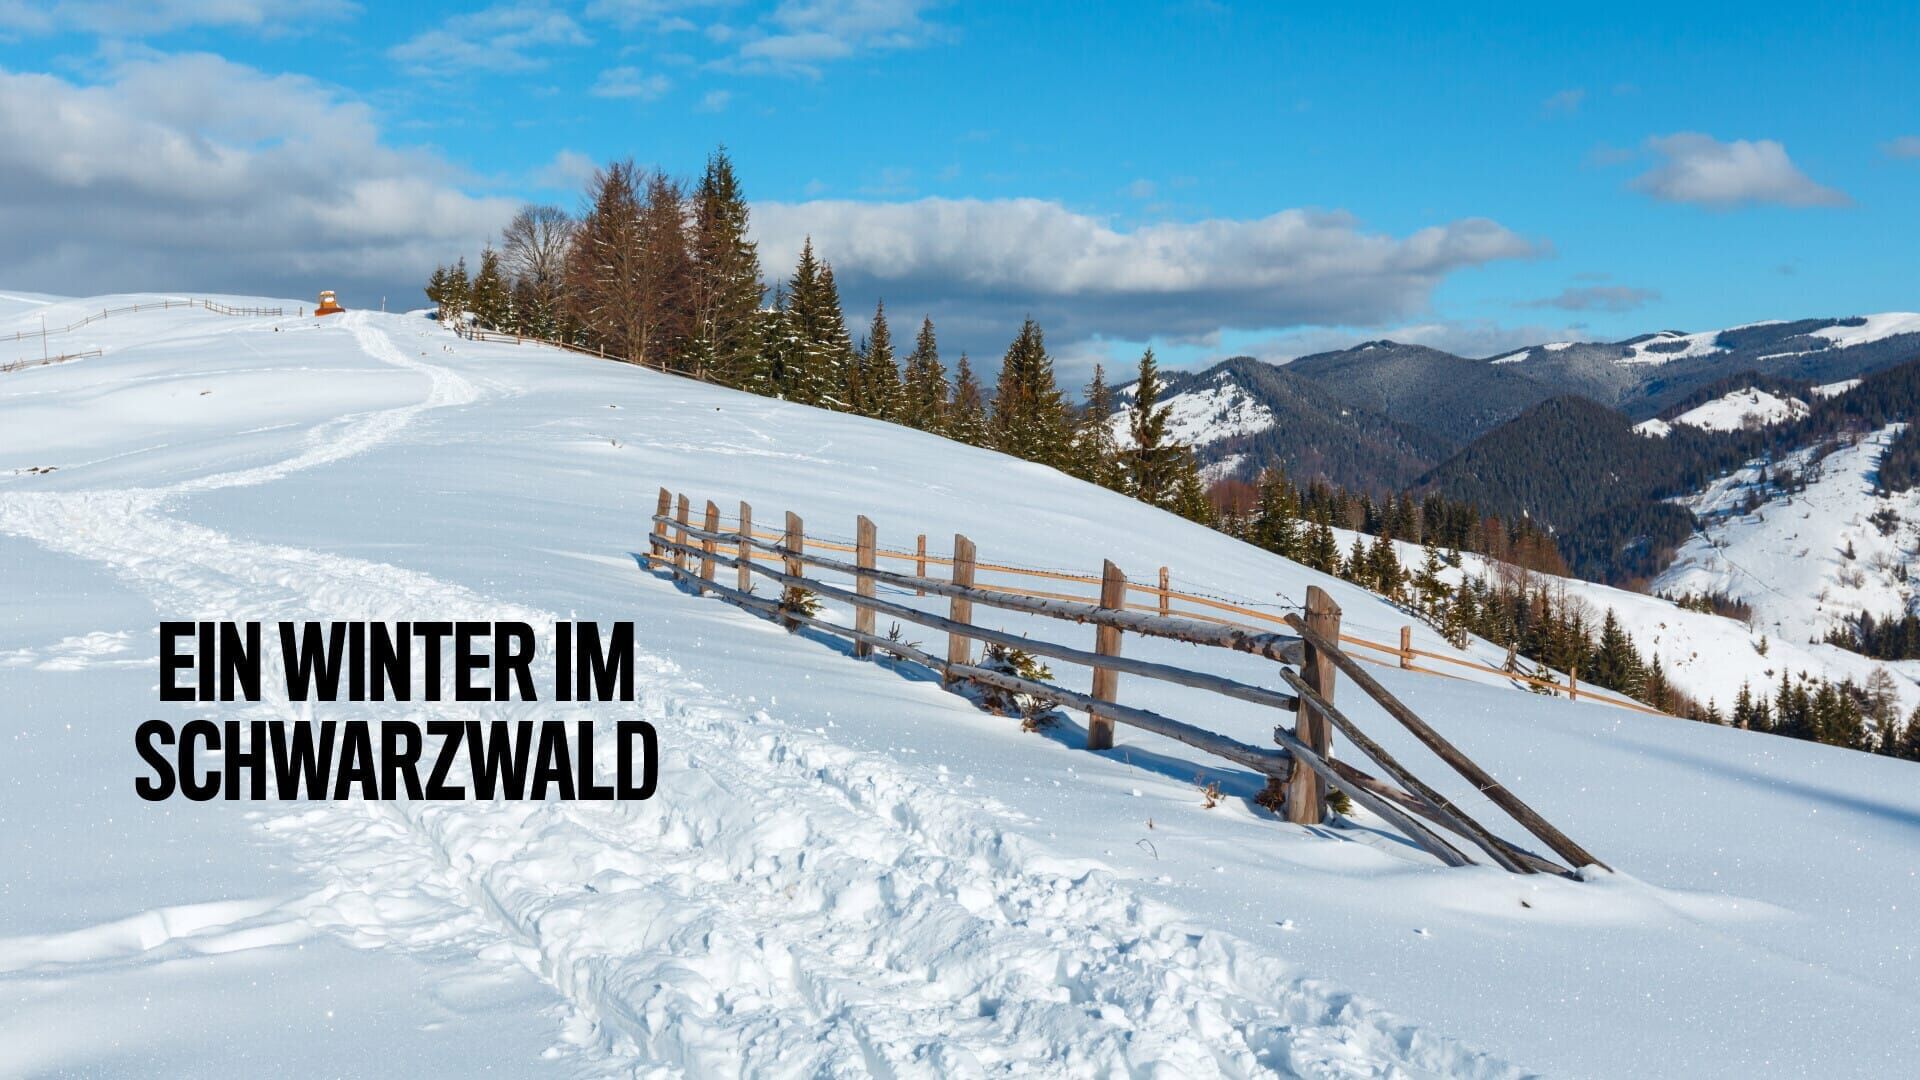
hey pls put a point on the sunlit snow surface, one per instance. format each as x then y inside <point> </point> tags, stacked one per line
<point>846,871</point>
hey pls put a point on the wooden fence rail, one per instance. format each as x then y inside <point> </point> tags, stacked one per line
<point>1302,765</point>
<point>157,305</point>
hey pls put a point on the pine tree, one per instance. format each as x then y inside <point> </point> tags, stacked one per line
<point>814,370</point>
<point>665,301</point>
<point>924,396</point>
<point>1151,458</point>
<point>1096,457</point>
<point>1277,524</point>
<point>1323,550</point>
<point>1029,414</point>
<point>491,304</point>
<point>726,292</point>
<point>879,376</point>
<point>437,291</point>
<point>967,419</point>
<point>458,291</point>
<point>603,273</point>
<point>1430,590</point>
<point>1616,664</point>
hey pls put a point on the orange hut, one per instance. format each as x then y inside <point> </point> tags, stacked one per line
<point>328,305</point>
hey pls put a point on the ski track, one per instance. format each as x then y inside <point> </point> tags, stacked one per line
<point>790,908</point>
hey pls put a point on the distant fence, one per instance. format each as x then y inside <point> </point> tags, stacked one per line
<point>474,333</point>
<point>43,361</point>
<point>1303,769</point>
<point>160,305</point>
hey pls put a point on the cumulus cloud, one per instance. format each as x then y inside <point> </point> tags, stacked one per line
<point>193,172</point>
<point>1564,102</point>
<point>981,265</point>
<point>800,35</point>
<point>1614,298</point>
<point>1906,147</point>
<point>1704,171</point>
<point>505,37</point>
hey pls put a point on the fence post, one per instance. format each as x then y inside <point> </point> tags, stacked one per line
<point>1573,683</point>
<point>660,510</point>
<point>1165,602</point>
<point>1406,646</point>
<point>745,554</point>
<point>1306,799</point>
<point>680,532</point>
<point>796,543</point>
<point>711,524</point>
<point>959,646</point>
<point>863,546</point>
<point>1106,642</point>
<point>920,561</point>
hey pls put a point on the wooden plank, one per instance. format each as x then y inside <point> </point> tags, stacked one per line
<point>959,646</point>
<point>1106,642</point>
<point>680,520</point>
<point>712,525</point>
<point>1415,806</point>
<point>1562,845</point>
<point>864,542</point>
<point>1450,815</point>
<point>1306,798</point>
<point>796,544</point>
<point>659,523</point>
<point>920,561</point>
<point>1258,695</point>
<point>744,556</point>
<point>1406,646</point>
<point>1166,595</point>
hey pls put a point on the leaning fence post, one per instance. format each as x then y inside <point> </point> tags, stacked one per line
<point>920,561</point>
<point>959,646</point>
<point>1165,600</point>
<point>660,510</point>
<point>1406,646</point>
<point>1106,642</point>
<point>1306,798</point>
<point>796,543</point>
<point>745,554</point>
<point>710,525</point>
<point>863,547</point>
<point>680,532</point>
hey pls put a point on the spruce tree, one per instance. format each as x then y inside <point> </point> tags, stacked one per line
<point>1096,456</point>
<point>924,395</point>
<point>726,292</point>
<point>1029,414</point>
<point>664,309</point>
<point>437,291</point>
<point>490,302</point>
<point>603,278</point>
<point>811,372</point>
<point>879,375</point>
<point>458,291</point>
<point>1151,458</point>
<point>1277,524</point>
<point>967,419</point>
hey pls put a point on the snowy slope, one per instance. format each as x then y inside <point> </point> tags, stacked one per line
<point>1788,557</point>
<point>847,870</point>
<point>1733,411</point>
<point>1203,416</point>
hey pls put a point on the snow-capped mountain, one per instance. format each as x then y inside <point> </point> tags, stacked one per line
<point>1750,407</point>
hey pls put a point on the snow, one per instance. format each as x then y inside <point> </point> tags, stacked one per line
<point>1653,429</point>
<point>1788,557</point>
<point>1741,409</point>
<point>1689,346</point>
<point>847,870</point>
<point>1512,358</point>
<point>1877,328</point>
<point>1206,415</point>
<point>1834,389</point>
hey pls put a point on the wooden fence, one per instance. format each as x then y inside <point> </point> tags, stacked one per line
<point>1403,654</point>
<point>1300,771</point>
<point>43,361</point>
<point>159,305</point>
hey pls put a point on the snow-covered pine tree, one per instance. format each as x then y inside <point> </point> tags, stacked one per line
<point>458,291</point>
<point>879,373</point>
<point>967,416</point>
<point>1029,414</point>
<point>924,393</point>
<point>727,293</point>
<point>1150,459</point>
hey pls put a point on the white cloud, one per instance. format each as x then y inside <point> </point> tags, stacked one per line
<point>1906,146</point>
<point>191,171</point>
<point>505,37</point>
<point>662,15</point>
<point>983,264</point>
<point>628,82</point>
<point>569,170</point>
<point>1704,171</point>
<point>802,34</point>
<point>715,100</point>
<point>1566,101</point>
<point>1614,298</point>
<point>122,18</point>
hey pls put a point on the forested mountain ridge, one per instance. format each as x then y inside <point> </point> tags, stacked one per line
<point>1454,398</point>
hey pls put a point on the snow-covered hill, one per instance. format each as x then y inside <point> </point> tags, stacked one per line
<point>1806,561</point>
<point>1746,408</point>
<point>846,871</point>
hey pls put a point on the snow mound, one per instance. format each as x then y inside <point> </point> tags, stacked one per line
<point>1876,328</point>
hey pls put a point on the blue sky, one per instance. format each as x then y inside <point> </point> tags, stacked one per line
<point>1213,178</point>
